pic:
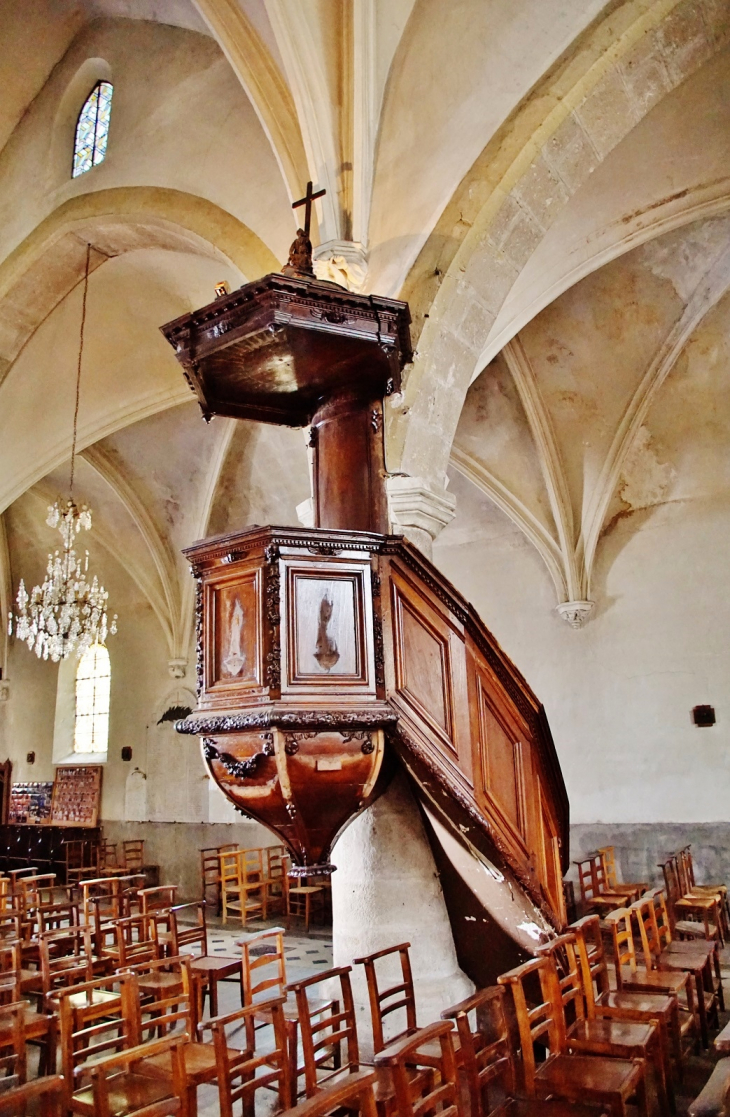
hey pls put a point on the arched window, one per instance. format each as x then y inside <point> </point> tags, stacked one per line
<point>92,129</point>
<point>93,680</point>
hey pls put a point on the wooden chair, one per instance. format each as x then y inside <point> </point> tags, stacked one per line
<point>442,1095</point>
<point>207,969</point>
<point>12,1038</point>
<point>686,942</point>
<point>395,998</point>
<point>275,869</point>
<point>692,908</point>
<point>117,1086</point>
<point>301,898</point>
<point>591,896</point>
<point>264,977</point>
<point>596,1035</point>
<point>585,1078</point>
<point>171,1014</point>
<point>95,1019</point>
<point>353,1093</point>
<point>697,963</point>
<point>685,865</point>
<point>133,854</point>
<point>324,1032</point>
<point>107,856</point>
<point>243,884</point>
<point>38,1027</point>
<point>488,1062</point>
<point>81,857</point>
<point>49,1093</point>
<point>610,874</point>
<point>603,1001</point>
<point>631,977</point>
<point>236,1069</point>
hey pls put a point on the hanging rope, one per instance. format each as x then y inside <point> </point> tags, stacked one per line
<point>78,370</point>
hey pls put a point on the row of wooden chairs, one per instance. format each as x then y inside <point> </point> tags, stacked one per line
<point>256,883</point>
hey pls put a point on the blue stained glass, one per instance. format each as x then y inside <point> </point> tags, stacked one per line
<point>92,129</point>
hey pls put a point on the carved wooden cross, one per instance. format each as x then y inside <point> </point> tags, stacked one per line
<point>307,200</point>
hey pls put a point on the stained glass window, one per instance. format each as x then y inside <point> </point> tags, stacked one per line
<point>93,681</point>
<point>92,129</point>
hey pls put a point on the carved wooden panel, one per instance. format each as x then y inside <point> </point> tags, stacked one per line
<point>423,666</point>
<point>327,615</point>
<point>502,764</point>
<point>234,636</point>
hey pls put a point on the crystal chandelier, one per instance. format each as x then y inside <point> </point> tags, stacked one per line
<point>68,612</point>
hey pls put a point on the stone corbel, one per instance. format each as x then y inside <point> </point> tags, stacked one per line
<point>4,690</point>
<point>341,261</point>
<point>575,613</point>
<point>177,668</point>
<point>418,510</point>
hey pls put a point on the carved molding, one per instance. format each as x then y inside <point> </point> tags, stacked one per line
<point>575,613</point>
<point>267,719</point>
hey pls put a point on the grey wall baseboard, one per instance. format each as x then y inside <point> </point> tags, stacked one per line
<point>641,847</point>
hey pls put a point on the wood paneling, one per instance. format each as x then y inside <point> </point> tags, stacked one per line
<point>234,607</point>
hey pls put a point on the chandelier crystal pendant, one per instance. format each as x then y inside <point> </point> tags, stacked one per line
<point>68,613</point>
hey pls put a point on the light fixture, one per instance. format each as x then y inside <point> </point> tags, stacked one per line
<point>68,612</point>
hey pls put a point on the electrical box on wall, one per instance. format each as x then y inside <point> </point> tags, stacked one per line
<point>703,716</point>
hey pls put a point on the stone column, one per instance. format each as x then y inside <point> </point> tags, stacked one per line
<point>386,891</point>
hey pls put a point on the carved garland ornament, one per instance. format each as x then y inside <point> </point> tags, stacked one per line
<point>239,769</point>
<point>273,617</point>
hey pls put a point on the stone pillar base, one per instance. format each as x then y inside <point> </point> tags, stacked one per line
<point>386,891</point>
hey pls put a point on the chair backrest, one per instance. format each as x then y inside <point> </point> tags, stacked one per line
<point>251,865</point>
<point>184,935</point>
<point>237,1069</point>
<point>135,940</point>
<point>562,952</point>
<point>353,1093</point>
<point>49,1092</point>
<point>592,960</point>
<point>541,1023</point>
<point>52,917</point>
<point>209,868</point>
<point>107,855</point>
<point>441,1093</point>
<point>608,862</point>
<point>10,971</point>
<point>671,880</point>
<point>255,959</point>
<point>133,853</point>
<point>487,1056</point>
<point>65,958</point>
<point>10,926</point>
<point>325,1028</point>
<point>95,1018</point>
<point>620,925</point>
<point>12,1025</point>
<point>685,870</point>
<point>36,890</point>
<point>276,862</point>
<point>661,917</point>
<point>230,868</point>
<point>160,898</point>
<point>394,997</point>
<point>643,911</point>
<point>585,879</point>
<point>173,1009</point>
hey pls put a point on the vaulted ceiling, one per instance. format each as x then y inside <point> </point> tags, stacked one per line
<point>547,184</point>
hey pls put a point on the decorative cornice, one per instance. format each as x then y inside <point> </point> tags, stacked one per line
<point>373,718</point>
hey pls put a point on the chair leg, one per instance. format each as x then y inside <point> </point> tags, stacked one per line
<point>213,994</point>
